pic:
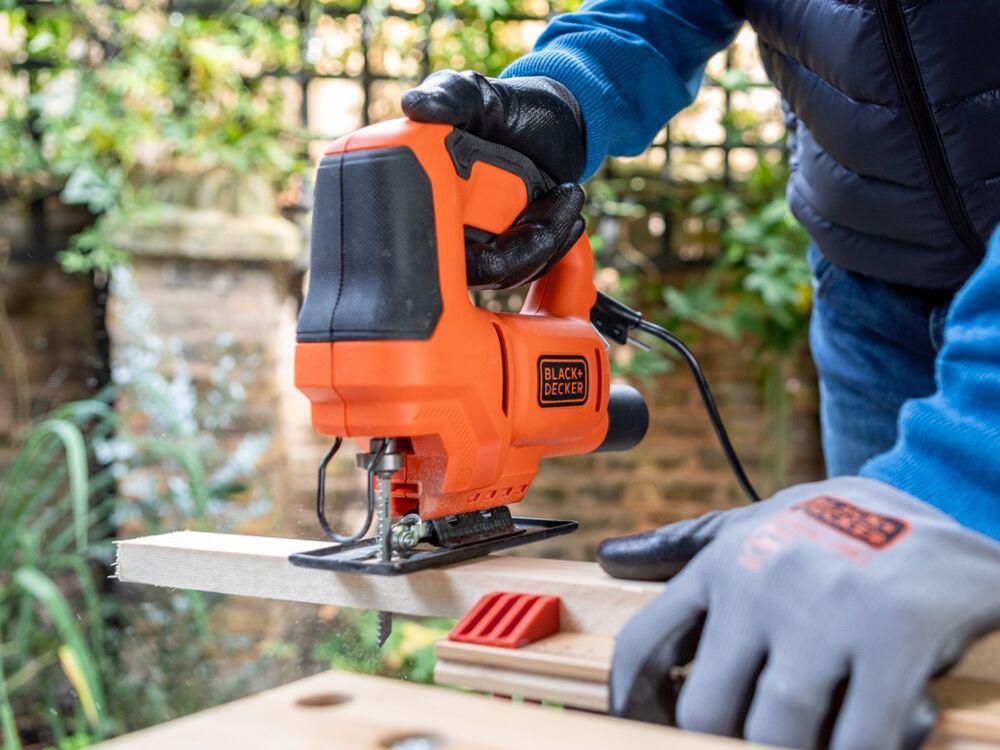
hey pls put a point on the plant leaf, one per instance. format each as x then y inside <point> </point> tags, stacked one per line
<point>76,463</point>
<point>11,739</point>
<point>48,595</point>
<point>73,668</point>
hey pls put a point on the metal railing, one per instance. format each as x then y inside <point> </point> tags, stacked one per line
<point>350,42</point>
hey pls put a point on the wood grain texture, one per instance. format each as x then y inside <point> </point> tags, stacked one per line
<point>579,656</point>
<point>257,566</point>
<point>566,691</point>
<point>592,602</point>
<point>983,660</point>
<point>970,714</point>
<point>379,712</point>
<point>572,669</point>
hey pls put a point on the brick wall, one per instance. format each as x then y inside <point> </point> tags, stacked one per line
<point>51,345</point>
<point>204,311</point>
<point>193,304</point>
<point>679,470</point>
<point>55,353</point>
<point>200,315</point>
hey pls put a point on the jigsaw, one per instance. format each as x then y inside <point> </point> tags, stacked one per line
<point>456,404</point>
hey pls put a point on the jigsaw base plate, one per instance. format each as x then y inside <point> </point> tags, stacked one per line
<point>362,556</point>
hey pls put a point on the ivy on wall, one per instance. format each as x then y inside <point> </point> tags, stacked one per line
<point>100,100</point>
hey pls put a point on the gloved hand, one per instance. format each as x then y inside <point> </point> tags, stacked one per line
<point>539,118</point>
<point>824,609</point>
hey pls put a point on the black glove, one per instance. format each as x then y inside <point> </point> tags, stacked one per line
<point>816,617</point>
<point>539,118</point>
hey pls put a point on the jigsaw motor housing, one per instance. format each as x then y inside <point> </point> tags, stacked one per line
<point>390,342</point>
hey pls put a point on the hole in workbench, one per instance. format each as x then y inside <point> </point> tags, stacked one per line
<point>322,700</point>
<point>412,741</point>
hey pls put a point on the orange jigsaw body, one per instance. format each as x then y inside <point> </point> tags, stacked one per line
<point>486,396</point>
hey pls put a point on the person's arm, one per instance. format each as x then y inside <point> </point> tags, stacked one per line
<point>601,81</point>
<point>948,449</point>
<point>893,573</point>
<point>630,64</point>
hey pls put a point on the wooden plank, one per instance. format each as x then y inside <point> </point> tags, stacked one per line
<point>578,656</point>
<point>349,712</point>
<point>566,691</point>
<point>983,660</point>
<point>970,713</point>
<point>592,602</point>
<point>572,669</point>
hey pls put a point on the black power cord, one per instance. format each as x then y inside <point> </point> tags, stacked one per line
<point>710,406</point>
<point>332,535</point>
<point>616,321</point>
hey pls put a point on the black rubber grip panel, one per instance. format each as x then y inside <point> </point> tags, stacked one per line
<point>373,257</point>
<point>466,149</point>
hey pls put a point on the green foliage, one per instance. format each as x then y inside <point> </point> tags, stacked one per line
<point>759,287</point>
<point>78,662</point>
<point>408,653</point>
<point>130,91</point>
<point>752,283</point>
<point>46,640</point>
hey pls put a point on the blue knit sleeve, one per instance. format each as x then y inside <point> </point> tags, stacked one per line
<point>631,64</point>
<point>948,449</point>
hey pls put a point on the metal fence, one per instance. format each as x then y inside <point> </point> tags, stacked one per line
<point>355,59</point>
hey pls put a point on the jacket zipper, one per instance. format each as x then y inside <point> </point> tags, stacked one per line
<point>911,89</point>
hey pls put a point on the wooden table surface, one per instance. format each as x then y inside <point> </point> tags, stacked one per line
<point>337,711</point>
<point>570,668</point>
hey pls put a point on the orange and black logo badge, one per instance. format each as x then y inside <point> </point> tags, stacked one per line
<point>562,381</point>
<point>873,529</point>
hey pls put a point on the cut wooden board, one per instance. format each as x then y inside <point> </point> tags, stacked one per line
<point>970,711</point>
<point>354,712</point>
<point>592,602</point>
<point>595,607</point>
<point>566,691</point>
<point>572,669</point>
<point>983,660</point>
<point>578,656</point>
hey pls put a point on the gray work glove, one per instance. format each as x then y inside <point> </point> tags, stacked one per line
<point>815,617</point>
<point>541,119</point>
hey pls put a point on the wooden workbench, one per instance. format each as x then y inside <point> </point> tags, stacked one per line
<point>336,711</point>
<point>569,668</point>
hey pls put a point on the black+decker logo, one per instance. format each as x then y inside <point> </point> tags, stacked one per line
<point>874,529</point>
<point>562,381</point>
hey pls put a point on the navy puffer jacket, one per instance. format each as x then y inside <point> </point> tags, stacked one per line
<point>893,108</point>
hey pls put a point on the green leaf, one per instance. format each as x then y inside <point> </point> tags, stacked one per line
<point>735,79</point>
<point>41,42</point>
<point>85,186</point>
<point>44,590</point>
<point>8,724</point>
<point>76,462</point>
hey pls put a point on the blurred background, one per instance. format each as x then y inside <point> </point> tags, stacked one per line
<point>155,183</point>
